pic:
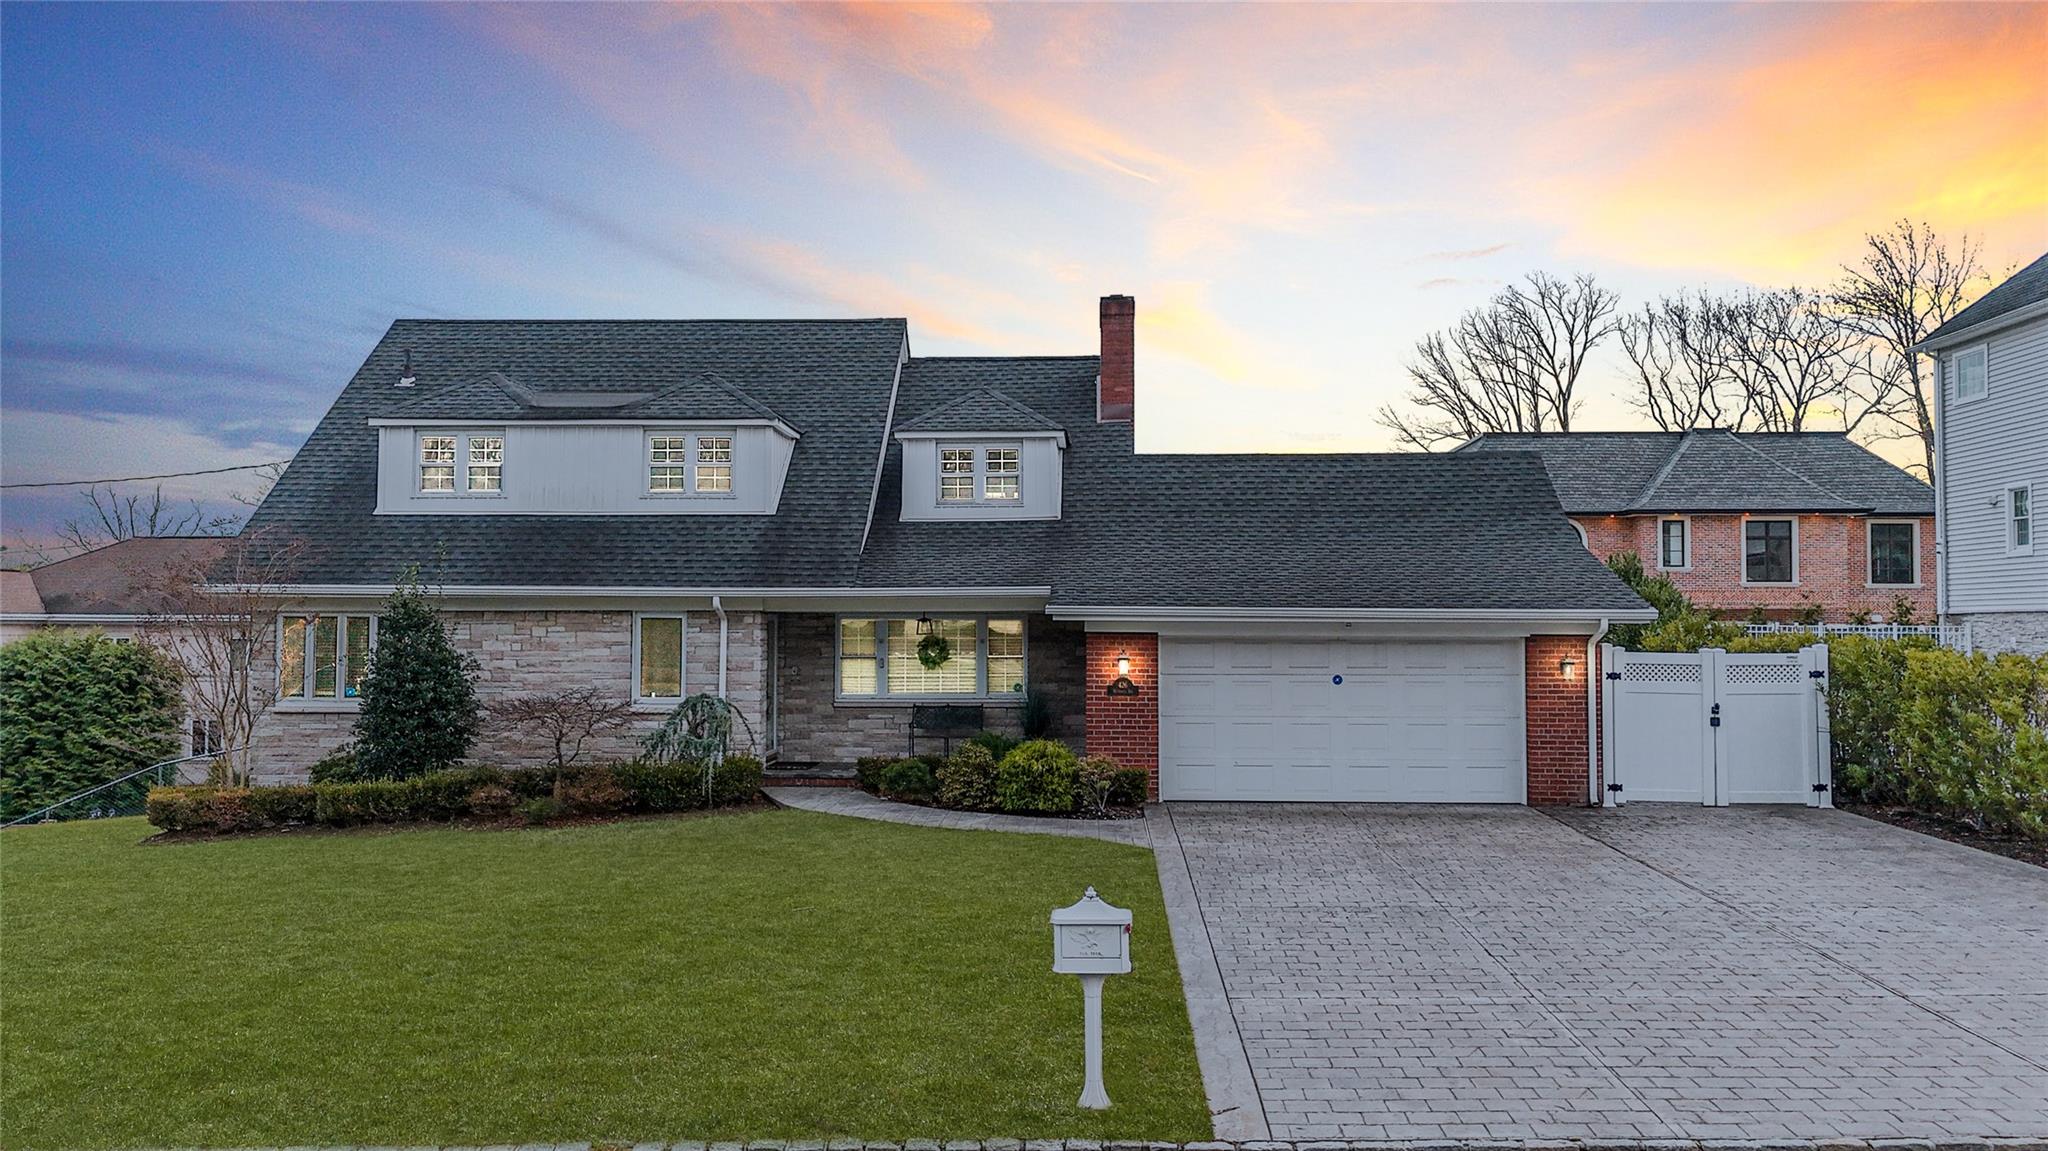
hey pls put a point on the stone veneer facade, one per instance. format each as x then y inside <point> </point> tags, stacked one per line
<point>816,728</point>
<point>530,652</point>
<point>2025,632</point>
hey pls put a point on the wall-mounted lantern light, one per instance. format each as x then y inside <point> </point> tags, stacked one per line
<point>1122,684</point>
<point>924,625</point>
<point>1568,667</point>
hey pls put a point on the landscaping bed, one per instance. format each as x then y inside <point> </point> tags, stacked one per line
<point>2034,851</point>
<point>761,975</point>
<point>995,773</point>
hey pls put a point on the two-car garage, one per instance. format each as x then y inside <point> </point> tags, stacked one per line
<point>1332,719</point>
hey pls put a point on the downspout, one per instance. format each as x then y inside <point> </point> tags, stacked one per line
<point>720,609</point>
<point>1593,677</point>
<point>1939,387</point>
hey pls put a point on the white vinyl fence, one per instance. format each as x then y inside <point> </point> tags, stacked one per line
<point>1716,727</point>
<point>1954,636</point>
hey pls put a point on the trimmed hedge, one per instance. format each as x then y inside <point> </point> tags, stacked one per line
<point>1034,777</point>
<point>459,793</point>
<point>1039,777</point>
<point>78,710</point>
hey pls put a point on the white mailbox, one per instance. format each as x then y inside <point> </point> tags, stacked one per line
<point>1091,938</point>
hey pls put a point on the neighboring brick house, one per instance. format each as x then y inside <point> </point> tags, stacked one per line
<point>1782,522</point>
<point>115,589</point>
<point>831,533</point>
<point>1991,421</point>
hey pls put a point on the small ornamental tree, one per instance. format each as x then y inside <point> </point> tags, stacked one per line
<point>78,710</point>
<point>419,707</point>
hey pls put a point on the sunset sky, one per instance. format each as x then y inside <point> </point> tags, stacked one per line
<point>211,213</point>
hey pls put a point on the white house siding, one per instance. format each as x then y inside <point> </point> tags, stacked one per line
<point>532,652</point>
<point>1989,444</point>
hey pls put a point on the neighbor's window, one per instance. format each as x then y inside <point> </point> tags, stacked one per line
<point>1894,554</point>
<point>1971,377</point>
<point>2019,503</point>
<point>956,474</point>
<point>661,657</point>
<point>206,737</point>
<point>437,463</point>
<point>1673,547</point>
<point>714,463</point>
<point>324,656</point>
<point>1767,551</point>
<point>486,463</point>
<point>879,657</point>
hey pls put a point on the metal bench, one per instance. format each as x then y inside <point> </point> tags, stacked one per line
<point>947,721</point>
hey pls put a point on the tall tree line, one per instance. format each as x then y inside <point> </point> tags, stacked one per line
<point>1781,359</point>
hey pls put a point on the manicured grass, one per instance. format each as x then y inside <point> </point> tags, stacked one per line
<point>774,974</point>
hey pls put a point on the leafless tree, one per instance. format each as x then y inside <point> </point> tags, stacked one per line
<point>216,616</point>
<point>567,718</point>
<point>1510,366</point>
<point>1908,282</point>
<point>1793,361</point>
<point>116,515</point>
<point>1678,347</point>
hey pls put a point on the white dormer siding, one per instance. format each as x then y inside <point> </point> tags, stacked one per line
<point>586,467</point>
<point>1040,458</point>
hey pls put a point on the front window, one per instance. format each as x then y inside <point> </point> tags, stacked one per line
<point>2019,504</point>
<point>324,656</point>
<point>1971,377</point>
<point>1767,551</point>
<point>965,657</point>
<point>714,463</point>
<point>970,475</point>
<point>206,737</point>
<point>660,663</point>
<point>1673,547</point>
<point>1893,554</point>
<point>437,463</point>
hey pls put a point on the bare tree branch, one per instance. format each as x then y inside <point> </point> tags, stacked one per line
<point>1678,347</point>
<point>117,515</point>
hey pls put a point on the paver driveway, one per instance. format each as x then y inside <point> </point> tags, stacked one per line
<point>1656,972</point>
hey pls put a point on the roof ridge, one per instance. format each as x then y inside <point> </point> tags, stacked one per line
<point>1685,440</point>
<point>1800,476</point>
<point>650,320</point>
<point>741,395</point>
<point>1016,406</point>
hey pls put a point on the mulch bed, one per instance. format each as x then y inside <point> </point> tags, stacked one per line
<point>2032,851</point>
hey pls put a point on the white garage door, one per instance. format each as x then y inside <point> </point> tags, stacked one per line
<point>1338,720</point>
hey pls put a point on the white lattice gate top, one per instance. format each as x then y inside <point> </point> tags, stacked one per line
<point>1715,727</point>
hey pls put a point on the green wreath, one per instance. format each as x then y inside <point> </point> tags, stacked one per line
<point>933,651</point>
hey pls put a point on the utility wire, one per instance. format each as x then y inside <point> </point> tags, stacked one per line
<point>138,479</point>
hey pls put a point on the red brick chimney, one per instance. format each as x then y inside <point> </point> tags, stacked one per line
<point>1116,389</point>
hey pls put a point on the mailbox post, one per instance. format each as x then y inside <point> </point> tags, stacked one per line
<point>1091,939</point>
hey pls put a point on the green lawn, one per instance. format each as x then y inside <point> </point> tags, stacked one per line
<point>773,974</point>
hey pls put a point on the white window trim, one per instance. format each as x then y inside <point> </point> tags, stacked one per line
<point>690,448</point>
<point>2012,546</point>
<point>1686,523</point>
<point>305,700</point>
<point>882,698</point>
<point>461,489</point>
<point>1742,554</point>
<point>1868,553</point>
<point>661,702</point>
<point>1982,350</point>
<point>980,450</point>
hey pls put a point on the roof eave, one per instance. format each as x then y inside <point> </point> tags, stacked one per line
<point>1941,338</point>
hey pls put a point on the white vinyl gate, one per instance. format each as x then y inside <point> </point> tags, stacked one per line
<point>1715,727</point>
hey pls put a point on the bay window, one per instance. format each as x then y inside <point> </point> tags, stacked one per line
<point>903,657</point>
<point>324,656</point>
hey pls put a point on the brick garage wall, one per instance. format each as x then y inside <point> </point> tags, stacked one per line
<point>1556,719</point>
<point>1125,728</point>
<point>1833,566</point>
<point>817,730</point>
<point>525,653</point>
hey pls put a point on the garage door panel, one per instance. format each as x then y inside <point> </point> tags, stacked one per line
<point>1409,721</point>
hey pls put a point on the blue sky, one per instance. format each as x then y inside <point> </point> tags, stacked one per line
<point>209,214</point>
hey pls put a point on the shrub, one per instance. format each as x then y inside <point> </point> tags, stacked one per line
<point>591,792</point>
<point>540,809</point>
<point>968,780</point>
<point>1866,693</point>
<point>492,801</point>
<point>1973,733</point>
<point>868,769</point>
<point>1658,591</point>
<point>1094,778</point>
<point>281,806</point>
<point>908,779</point>
<point>365,801</point>
<point>1040,776</point>
<point>337,766</point>
<point>225,809</point>
<point>997,743</point>
<point>1036,717</point>
<point>1129,787</point>
<point>654,786</point>
<point>419,708</point>
<point>78,710</point>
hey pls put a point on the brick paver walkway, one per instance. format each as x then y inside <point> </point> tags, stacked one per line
<point>1651,973</point>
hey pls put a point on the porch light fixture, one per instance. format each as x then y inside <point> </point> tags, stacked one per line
<point>924,625</point>
<point>1122,684</point>
<point>1568,667</point>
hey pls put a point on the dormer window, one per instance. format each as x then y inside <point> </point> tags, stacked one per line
<point>978,475</point>
<point>478,458</point>
<point>681,464</point>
